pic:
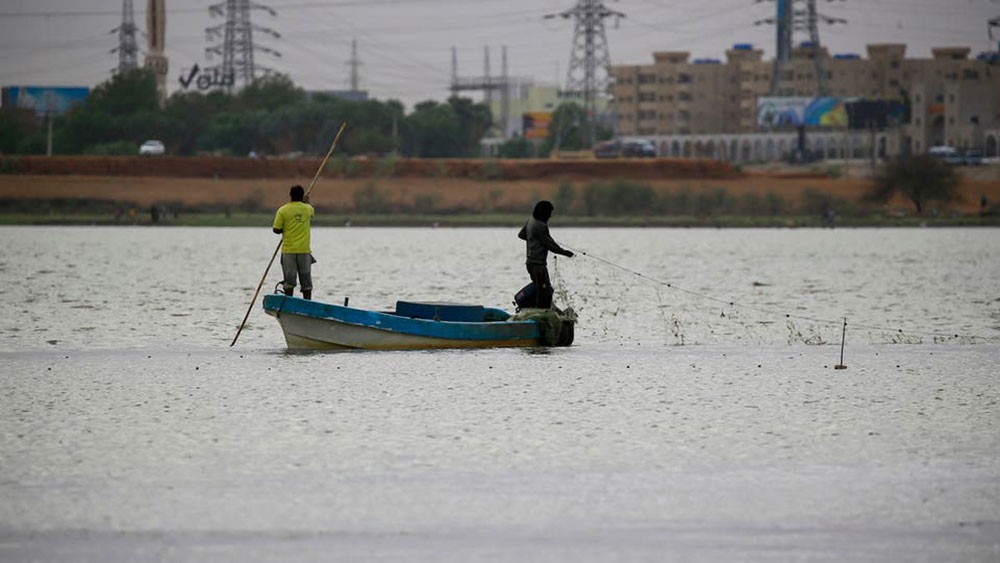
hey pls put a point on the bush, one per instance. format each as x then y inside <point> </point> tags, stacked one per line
<point>385,167</point>
<point>564,197</point>
<point>621,197</point>
<point>10,165</point>
<point>370,199</point>
<point>122,148</point>
<point>490,170</point>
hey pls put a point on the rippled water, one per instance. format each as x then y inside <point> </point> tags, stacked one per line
<point>678,427</point>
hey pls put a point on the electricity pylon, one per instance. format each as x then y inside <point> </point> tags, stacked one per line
<point>127,49</point>
<point>798,16</point>
<point>237,47</point>
<point>588,75</point>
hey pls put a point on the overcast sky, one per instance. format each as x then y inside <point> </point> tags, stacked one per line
<point>405,45</point>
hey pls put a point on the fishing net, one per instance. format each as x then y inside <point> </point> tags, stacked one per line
<point>557,326</point>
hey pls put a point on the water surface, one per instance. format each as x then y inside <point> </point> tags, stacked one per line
<point>697,422</point>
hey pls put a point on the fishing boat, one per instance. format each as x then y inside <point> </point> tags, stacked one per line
<point>414,325</point>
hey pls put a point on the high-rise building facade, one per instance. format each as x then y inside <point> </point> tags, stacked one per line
<point>952,99</point>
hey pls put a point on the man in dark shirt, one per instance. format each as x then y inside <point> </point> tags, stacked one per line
<point>539,243</point>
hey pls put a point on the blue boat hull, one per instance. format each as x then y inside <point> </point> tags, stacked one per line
<point>323,326</point>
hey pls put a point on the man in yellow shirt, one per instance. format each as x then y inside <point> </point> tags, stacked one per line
<point>292,222</point>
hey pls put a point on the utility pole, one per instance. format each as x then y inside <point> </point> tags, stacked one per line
<point>588,76</point>
<point>237,47</point>
<point>798,16</point>
<point>127,49</point>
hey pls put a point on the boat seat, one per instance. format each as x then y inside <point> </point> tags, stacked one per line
<point>441,311</point>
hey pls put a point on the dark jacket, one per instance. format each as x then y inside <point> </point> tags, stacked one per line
<point>540,242</point>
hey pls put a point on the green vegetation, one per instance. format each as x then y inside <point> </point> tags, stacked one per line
<point>269,117</point>
<point>616,203</point>
<point>919,178</point>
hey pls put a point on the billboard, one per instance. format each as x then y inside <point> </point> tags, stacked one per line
<point>877,114</point>
<point>535,124</point>
<point>810,112</point>
<point>44,100</point>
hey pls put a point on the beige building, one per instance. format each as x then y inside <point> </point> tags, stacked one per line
<point>954,99</point>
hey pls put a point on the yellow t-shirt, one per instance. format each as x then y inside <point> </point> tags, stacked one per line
<point>294,219</point>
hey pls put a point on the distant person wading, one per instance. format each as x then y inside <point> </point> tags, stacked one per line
<point>539,242</point>
<point>292,222</point>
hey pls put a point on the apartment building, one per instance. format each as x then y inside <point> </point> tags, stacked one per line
<point>952,99</point>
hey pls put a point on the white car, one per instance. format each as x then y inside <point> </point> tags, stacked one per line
<point>152,147</point>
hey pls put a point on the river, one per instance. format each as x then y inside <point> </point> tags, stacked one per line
<point>697,417</point>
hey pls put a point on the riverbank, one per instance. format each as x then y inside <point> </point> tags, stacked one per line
<point>646,193</point>
<point>263,220</point>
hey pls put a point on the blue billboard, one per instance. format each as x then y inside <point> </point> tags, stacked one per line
<point>811,112</point>
<point>44,100</point>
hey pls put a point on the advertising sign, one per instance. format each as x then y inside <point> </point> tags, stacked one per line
<point>44,100</point>
<point>810,112</point>
<point>536,124</point>
<point>207,78</point>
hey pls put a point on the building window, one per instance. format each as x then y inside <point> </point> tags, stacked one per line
<point>684,78</point>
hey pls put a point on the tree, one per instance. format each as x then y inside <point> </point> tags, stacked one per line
<point>432,131</point>
<point>919,178</point>
<point>517,147</point>
<point>10,132</point>
<point>565,129</point>
<point>233,132</point>
<point>474,120</point>
<point>189,114</point>
<point>268,93</point>
<point>125,93</point>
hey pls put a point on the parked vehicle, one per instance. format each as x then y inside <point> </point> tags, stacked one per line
<point>152,147</point>
<point>608,149</point>
<point>639,148</point>
<point>973,157</point>
<point>947,154</point>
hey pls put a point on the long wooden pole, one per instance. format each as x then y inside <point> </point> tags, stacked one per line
<point>274,255</point>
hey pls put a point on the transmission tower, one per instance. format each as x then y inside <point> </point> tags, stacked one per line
<point>589,59</point>
<point>127,49</point>
<point>237,47</point>
<point>354,63</point>
<point>798,16</point>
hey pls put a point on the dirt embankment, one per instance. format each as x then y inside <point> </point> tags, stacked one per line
<point>205,183</point>
<point>476,169</point>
